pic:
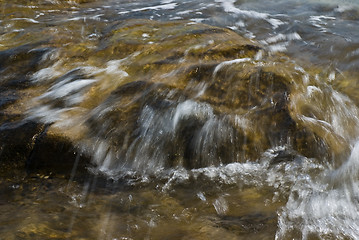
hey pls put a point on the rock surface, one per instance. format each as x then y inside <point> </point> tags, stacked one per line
<point>148,95</point>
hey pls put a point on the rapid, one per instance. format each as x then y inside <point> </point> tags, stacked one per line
<point>176,119</point>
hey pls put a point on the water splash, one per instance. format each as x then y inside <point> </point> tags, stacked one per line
<point>325,207</point>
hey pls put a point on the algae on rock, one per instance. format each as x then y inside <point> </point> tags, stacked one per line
<point>167,94</point>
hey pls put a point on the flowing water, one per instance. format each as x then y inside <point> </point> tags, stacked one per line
<point>210,119</point>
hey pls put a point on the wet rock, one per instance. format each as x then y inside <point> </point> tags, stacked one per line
<point>163,94</point>
<point>18,140</point>
<point>9,97</point>
<point>251,223</point>
<point>17,64</point>
<point>54,153</point>
<point>28,145</point>
<point>227,90</point>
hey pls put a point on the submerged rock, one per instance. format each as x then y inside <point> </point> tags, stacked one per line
<point>149,95</point>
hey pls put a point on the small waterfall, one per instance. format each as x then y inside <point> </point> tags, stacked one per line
<point>165,119</point>
<point>326,206</point>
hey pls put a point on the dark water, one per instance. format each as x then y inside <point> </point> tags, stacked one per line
<point>196,119</point>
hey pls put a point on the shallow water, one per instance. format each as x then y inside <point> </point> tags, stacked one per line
<point>173,152</point>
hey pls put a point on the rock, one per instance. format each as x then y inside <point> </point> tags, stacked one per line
<point>18,140</point>
<point>28,145</point>
<point>54,153</point>
<point>148,95</point>
<point>17,64</point>
<point>246,224</point>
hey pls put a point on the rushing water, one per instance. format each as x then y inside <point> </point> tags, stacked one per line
<point>188,130</point>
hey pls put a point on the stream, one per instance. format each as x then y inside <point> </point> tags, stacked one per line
<point>179,119</point>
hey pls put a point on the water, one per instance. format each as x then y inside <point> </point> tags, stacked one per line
<point>173,119</point>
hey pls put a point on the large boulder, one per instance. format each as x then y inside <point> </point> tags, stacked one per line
<point>152,95</point>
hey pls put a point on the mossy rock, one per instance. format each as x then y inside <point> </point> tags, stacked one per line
<point>177,93</point>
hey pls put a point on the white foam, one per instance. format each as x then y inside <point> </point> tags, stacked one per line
<point>331,76</point>
<point>241,122</point>
<point>47,114</point>
<point>319,18</point>
<point>279,37</point>
<point>178,175</point>
<point>240,24</point>
<point>322,208</point>
<point>249,173</point>
<point>230,62</point>
<point>201,196</point>
<point>328,111</point>
<point>184,12</point>
<point>300,69</point>
<point>221,205</point>
<point>350,169</point>
<point>234,28</point>
<point>312,89</point>
<point>282,47</point>
<point>283,37</point>
<point>123,12</point>
<point>294,36</point>
<point>39,15</point>
<point>25,19</point>
<point>318,21</point>
<point>201,89</point>
<point>188,108</point>
<point>114,67</point>
<point>46,74</point>
<point>161,7</point>
<point>228,6</point>
<point>68,88</point>
<point>274,22</point>
<point>166,1</point>
<point>197,20</point>
<point>196,47</point>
